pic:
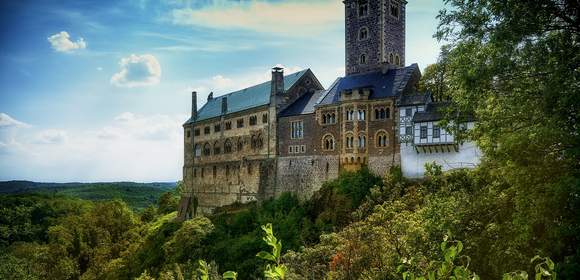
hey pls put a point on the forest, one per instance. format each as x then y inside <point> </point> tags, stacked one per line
<point>513,65</point>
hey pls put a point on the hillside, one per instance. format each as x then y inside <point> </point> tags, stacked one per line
<point>136,195</point>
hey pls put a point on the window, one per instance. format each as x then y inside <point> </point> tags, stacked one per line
<point>228,125</point>
<point>397,60</point>
<point>409,130</point>
<point>363,9</point>
<point>328,142</point>
<point>381,139</point>
<point>388,113</point>
<point>206,130</point>
<point>408,112</point>
<point>253,120</point>
<point>361,115</point>
<point>202,172</point>
<point>436,131</point>
<point>363,59</point>
<point>297,130</point>
<point>214,171</point>
<point>363,33</point>
<point>249,168</point>
<point>350,115</point>
<point>197,150</point>
<point>217,128</point>
<point>349,141</point>
<point>227,146</point>
<point>423,132</point>
<point>188,133</point>
<point>206,149</point>
<point>362,141</point>
<point>196,132</point>
<point>216,148</point>
<point>303,149</point>
<point>257,142</point>
<point>382,113</point>
<point>227,170</point>
<point>194,172</point>
<point>391,58</point>
<point>265,118</point>
<point>240,123</point>
<point>394,9</point>
<point>240,146</point>
<point>291,149</point>
<point>329,118</point>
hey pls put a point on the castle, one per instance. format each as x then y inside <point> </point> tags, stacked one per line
<point>291,135</point>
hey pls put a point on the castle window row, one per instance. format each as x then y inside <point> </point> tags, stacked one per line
<point>207,149</point>
<point>227,170</point>
<point>329,118</point>
<point>253,120</point>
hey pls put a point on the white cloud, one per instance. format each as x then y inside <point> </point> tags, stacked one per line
<point>61,42</point>
<point>52,136</point>
<point>137,70</point>
<point>129,147</point>
<point>8,122</point>
<point>295,18</point>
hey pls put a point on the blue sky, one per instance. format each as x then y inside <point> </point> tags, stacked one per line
<point>98,90</point>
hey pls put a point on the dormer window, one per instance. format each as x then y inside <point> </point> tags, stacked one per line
<point>394,9</point>
<point>363,34</point>
<point>363,59</point>
<point>363,9</point>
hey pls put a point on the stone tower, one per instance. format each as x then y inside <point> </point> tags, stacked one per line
<point>375,34</point>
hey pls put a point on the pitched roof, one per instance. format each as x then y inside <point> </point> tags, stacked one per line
<point>304,104</point>
<point>433,112</point>
<point>414,99</point>
<point>244,99</point>
<point>389,84</point>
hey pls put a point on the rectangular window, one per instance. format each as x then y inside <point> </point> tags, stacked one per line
<point>265,118</point>
<point>394,9</point>
<point>436,131</point>
<point>253,120</point>
<point>423,132</point>
<point>408,112</point>
<point>303,149</point>
<point>291,149</point>
<point>240,123</point>
<point>217,128</point>
<point>196,132</point>
<point>228,125</point>
<point>409,130</point>
<point>206,130</point>
<point>188,133</point>
<point>297,130</point>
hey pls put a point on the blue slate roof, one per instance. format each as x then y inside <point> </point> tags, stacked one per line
<point>303,105</point>
<point>244,99</point>
<point>390,84</point>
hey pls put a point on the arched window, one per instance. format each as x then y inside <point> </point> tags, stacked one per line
<point>197,150</point>
<point>240,146</point>
<point>206,149</point>
<point>216,148</point>
<point>397,60</point>
<point>259,141</point>
<point>382,139</point>
<point>328,142</point>
<point>324,120</point>
<point>227,146</point>
<point>363,33</point>
<point>377,114</point>
<point>350,115</point>
<point>388,113</point>
<point>362,141</point>
<point>391,58</point>
<point>333,118</point>
<point>265,118</point>
<point>349,140</point>
<point>363,59</point>
<point>361,115</point>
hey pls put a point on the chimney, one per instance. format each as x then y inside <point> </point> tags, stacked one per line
<point>277,81</point>
<point>210,96</point>
<point>194,105</point>
<point>224,105</point>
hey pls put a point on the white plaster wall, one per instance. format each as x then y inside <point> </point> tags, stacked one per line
<point>413,163</point>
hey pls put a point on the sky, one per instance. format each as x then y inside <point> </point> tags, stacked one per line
<point>95,91</point>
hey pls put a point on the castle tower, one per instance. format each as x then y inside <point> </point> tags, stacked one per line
<point>375,34</point>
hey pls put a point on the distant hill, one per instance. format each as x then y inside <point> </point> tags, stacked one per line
<point>137,195</point>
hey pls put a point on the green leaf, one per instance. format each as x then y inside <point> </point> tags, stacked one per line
<point>266,256</point>
<point>230,275</point>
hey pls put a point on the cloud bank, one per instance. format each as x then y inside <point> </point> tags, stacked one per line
<point>61,42</point>
<point>294,18</point>
<point>137,71</point>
